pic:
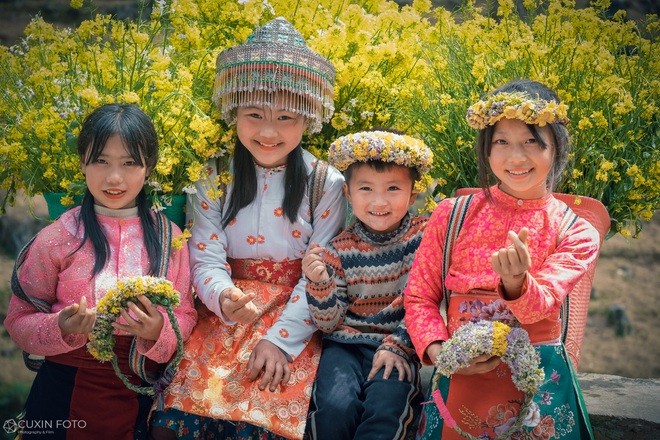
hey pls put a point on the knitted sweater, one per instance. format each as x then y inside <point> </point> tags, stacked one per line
<point>362,302</point>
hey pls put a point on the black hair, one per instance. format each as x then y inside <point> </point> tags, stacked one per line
<point>139,137</point>
<point>380,166</point>
<point>534,89</point>
<point>245,183</point>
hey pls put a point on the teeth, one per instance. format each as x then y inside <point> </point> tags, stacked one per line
<point>518,173</point>
<point>114,193</point>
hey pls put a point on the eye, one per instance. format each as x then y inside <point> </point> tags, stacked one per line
<point>499,142</point>
<point>131,163</point>
<point>364,188</point>
<point>531,141</point>
<point>394,188</point>
<point>100,161</point>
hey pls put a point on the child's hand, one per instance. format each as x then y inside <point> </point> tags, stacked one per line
<point>389,360</point>
<point>481,364</point>
<point>77,318</point>
<point>143,320</point>
<point>433,350</point>
<point>238,306</point>
<point>512,262</point>
<point>268,357</point>
<point>313,265</point>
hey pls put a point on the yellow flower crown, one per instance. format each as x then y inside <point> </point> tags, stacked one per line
<point>517,105</point>
<point>380,145</point>
<point>160,291</point>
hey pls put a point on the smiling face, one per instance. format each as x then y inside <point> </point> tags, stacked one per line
<point>380,198</point>
<point>519,161</point>
<point>269,133</point>
<point>114,178</point>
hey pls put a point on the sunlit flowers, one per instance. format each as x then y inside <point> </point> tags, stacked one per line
<point>159,291</point>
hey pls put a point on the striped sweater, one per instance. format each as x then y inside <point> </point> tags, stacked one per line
<point>362,301</point>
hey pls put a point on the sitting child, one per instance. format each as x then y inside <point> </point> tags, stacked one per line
<point>367,382</point>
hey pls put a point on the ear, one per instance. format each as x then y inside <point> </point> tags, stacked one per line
<point>413,197</point>
<point>347,192</point>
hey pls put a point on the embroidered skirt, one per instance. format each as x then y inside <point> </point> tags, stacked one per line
<point>212,380</point>
<point>486,404</point>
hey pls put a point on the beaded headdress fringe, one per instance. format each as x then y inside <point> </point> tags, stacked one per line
<point>275,59</point>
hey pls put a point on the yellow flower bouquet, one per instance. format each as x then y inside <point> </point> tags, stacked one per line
<point>101,343</point>
<point>54,77</point>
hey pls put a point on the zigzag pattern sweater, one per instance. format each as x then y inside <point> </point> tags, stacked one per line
<point>362,301</point>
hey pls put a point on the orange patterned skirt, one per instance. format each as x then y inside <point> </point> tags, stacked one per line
<point>212,380</point>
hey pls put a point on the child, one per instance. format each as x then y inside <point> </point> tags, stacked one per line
<point>367,385</point>
<point>73,262</point>
<point>250,363</point>
<point>519,253</point>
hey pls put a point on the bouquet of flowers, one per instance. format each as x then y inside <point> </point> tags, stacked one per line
<point>101,341</point>
<point>512,345</point>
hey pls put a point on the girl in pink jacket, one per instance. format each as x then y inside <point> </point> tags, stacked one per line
<point>71,264</point>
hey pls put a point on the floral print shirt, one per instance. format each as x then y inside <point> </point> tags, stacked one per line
<point>262,230</point>
<point>559,260</point>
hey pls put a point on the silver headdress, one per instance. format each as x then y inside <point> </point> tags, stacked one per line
<point>275,58</point>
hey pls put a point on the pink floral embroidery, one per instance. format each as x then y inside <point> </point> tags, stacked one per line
<point>545,429</point>
<point>499,414</point>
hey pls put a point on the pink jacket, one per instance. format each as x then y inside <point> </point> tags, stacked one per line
<point>559,260</point>
<point>53,273</point>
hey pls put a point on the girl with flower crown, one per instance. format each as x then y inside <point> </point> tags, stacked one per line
<point>250,363</point>
<point>517,255</point>
<point>65,272</point>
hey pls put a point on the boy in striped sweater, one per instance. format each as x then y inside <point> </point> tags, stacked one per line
<point>367,384</point>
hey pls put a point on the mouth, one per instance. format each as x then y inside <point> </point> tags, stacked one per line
<point>267,146</point>
<point>519,173</point>
<point>113,193</point>
<point>378,213</point>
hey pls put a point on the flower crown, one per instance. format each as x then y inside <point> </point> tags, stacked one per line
<point>380,145</point>
<point>160,291</point>
<point>516,105</point>
<point>511,344</point>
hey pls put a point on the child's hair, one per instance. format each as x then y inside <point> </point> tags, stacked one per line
<point>534,90</point>
<point>139,137</point>
<point>380,166</point>
<point>245,183</point>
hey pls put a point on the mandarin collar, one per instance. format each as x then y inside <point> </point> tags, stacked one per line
<point>383,239</point>
<point>116,213</point>
<point>502,198</point>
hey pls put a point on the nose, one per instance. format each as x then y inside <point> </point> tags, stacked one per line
<point>379,199</point>
<point>518,151</point>
<point>115,175</point>
<point>267,129</point>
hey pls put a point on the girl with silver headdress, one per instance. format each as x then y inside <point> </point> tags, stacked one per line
<point>250,363</point>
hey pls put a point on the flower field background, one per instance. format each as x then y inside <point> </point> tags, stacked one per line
<point>608,74</point>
